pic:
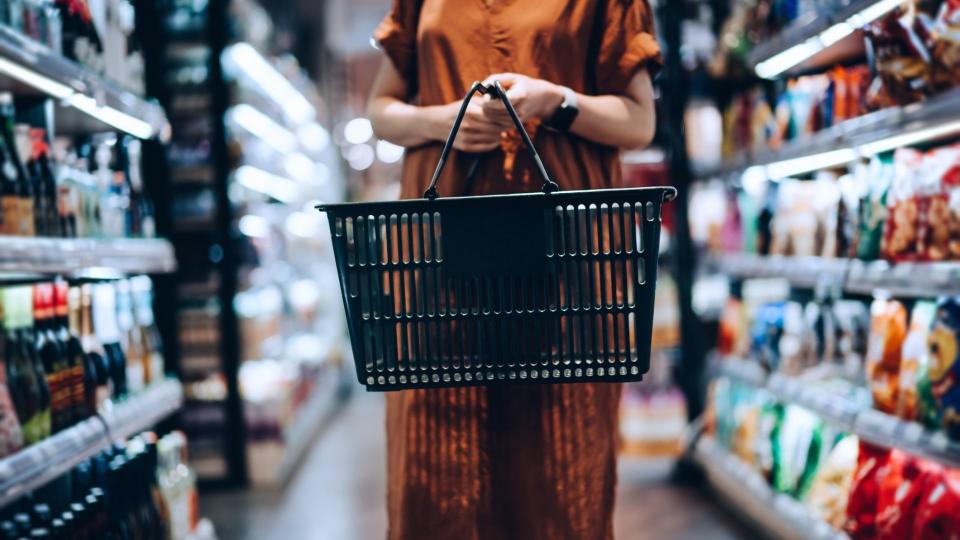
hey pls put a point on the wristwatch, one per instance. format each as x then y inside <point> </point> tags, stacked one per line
<point>566,113</point>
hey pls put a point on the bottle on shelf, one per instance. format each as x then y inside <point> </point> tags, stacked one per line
<point>151,344</point>
<point>46,215</point>
<point>142,222</point>
<point>68,325</point>
<point>131,341</point>
<point>11,434</point>
<point>98,373</point>
<point>81,41</point>
<point>29,344</point>
<point>24,216</point>
<point>29,392</point>
<point>52,356</point>
<point>108,333</point>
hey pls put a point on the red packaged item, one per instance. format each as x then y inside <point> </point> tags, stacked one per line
<point>900,233</point>
<point>872,466</point>
<point>938,514</point>
<point>901,492</point>
<point>938,190</point>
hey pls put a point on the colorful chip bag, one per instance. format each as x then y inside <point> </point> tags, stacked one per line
<point>913,361</point>
<point>888,329</point>
<point>944,367</point>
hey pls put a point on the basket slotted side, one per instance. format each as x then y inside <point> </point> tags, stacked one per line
<point>572,301</point>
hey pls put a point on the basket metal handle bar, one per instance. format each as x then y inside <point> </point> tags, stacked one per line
<point>496,90</point>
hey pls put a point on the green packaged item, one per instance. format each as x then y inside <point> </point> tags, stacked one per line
<point>796,446</point>
<point>874,182</point>
<point>944,364</point>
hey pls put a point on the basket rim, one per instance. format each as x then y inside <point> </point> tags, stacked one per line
<point>669,194</point>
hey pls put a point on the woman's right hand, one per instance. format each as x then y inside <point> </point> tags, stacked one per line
<point>477,133</point>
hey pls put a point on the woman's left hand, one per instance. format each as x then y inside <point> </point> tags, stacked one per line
<point>532,99</point>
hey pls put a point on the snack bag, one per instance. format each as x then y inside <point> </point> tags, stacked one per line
<point>852,323</point>
<point>938,179</point>
<point>832,483</point>
<point>798,443</point>
<point>944,368</point>
<point>900,234</point>
<point>938,517</point>
<point>872,465</point>
<point>766,333</point>
<point>945,46</point>
<point>888,329</point>
<point>901,60</point>
<point>901,492</point>
<point>873,182</point>
<point>913,361</point>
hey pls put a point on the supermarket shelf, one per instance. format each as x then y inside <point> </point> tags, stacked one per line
<point>39,464</point>
<point>818,40</point>
<point>902,280</point>
<point>777,514</point>
<point>877,132</point>
<point>868,424</point>
<point>27,66</point>
<point>85,257</point>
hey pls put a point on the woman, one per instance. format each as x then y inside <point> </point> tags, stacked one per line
<point>525,461</point>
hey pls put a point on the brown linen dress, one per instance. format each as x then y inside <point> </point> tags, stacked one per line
<point>524,461</point>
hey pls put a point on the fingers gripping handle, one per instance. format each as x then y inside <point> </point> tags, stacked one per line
<point>496,90</point>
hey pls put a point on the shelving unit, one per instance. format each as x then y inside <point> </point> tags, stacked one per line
<point>849,140</point>
<point>85,257</point>
<point>868,424</point>
<point>901,280</point>
<point>777,514</point>
<point>31,68</point>
<point>818,40</point>
<point>40,463</point>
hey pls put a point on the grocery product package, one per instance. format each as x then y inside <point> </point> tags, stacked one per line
<point>938,513</point>
<point>901,229</point>
<point>832,483</point>
<point>766,332</point>
<point>944,364</point>
<point>873,182</point>
<point>853,333</point>
<point>913,361</point>
<point>799,443</point>
<point>939,224</point>
<point>904,482</point>
<point>888,329</point>
<point>945,45</point>
<point>901,60</point>
<point>873,464</point>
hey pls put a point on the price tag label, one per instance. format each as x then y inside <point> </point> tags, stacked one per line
<point>877,422</point>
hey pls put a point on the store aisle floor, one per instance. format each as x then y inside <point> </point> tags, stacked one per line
<point>338,494</point>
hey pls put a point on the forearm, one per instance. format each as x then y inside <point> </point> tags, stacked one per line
<point>614,120</point>
<point>402,123</point>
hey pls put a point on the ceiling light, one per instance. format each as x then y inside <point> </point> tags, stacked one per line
<point>110,116</point>
<point>262,127</point>
<point>815,162</point>
<point>278,187</point>
<point>241,59</point>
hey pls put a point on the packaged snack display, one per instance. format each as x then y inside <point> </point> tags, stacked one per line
<point>853,328</point>
<point>938,514</point>
<point>766,331</point>
<point>945,45</point>
<point>901,230</point>
<point>913,361</point>
<point>873,463</point>
<point>831,485</point>
<point>939,227</point>
<point>903,483</point>
<point>799,443</point>
<point>874,183</point>
<point>944,367</point>
<point>888,329</point>
<point>902,63</point>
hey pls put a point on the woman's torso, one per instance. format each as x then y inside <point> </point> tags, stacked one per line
<point>459,42</point>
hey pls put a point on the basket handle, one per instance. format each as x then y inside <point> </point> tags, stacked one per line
<point>496,90</point>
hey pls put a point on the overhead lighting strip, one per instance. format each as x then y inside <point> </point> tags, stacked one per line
<point>242,59</point>
<point>787,59</point>
<point>82,102</point>
<point>785,168</point>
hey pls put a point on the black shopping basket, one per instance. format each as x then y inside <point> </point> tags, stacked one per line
<point>537,287</point>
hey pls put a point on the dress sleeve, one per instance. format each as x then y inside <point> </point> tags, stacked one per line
<point>627,43</point>
<point>397,37</point>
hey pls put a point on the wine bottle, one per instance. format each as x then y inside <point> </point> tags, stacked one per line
<point>46,213</point>
<point>97,364</point>
<point>21,137</point>
<point>29,343</point>
<point>51,355</point>
<point>11,433</point>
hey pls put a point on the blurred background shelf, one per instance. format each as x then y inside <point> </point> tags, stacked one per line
<point>43,462</point>
<point>90,102</point>
<point>86,257</point>
<point>776,514</point>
